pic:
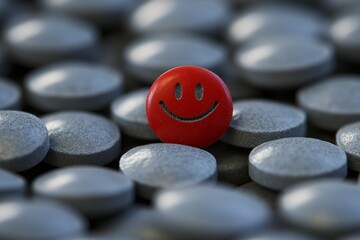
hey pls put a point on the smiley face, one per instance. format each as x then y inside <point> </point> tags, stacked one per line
<point>189,105</point>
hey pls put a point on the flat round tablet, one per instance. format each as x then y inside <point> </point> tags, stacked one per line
<point>81,138</point>
<point>284,62</point>
<point>129,112</point>
<point>333,103</point>
<point>73,86</point>
<point>280,163</point>
<point>328,206</point>
<point>43,39</point>
<point>280,235</point>
<point>11,185</point>
<point>41,220</point>
<point>163,165</point>
<point>103,12</point>
<point>24,140</point>
<point>275,19</point>
<point>187,15</point>
<point>149,57</point>
<point>212,212</point>
<point>345,34</point>
<point>257,121</point>
<point>94,191</point>
<point>348,138</point>
<point>10,95</point>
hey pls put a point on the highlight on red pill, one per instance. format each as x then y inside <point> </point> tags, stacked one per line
<point>189,105</point>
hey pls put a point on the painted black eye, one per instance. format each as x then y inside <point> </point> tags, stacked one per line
<point>178,91</point>
<point>199,91</point>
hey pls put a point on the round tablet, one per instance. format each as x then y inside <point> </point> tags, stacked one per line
<point>280,163</point>
<point>103,12</point>
<point>81,138</point>
<point>212,212</point>
<point>187,15</point>
<point>328,207</point>
<point>11,185</point>
<point>10,95</point>
<point>24,140</point>
<point>189,105</point>
<point>280,235</point>
<point>348,138</point>
<point>333,103</point>
<point>284,62</point>
<point>41,220</point>
<point>345,33</point>
<point>129,112</point>
<point>45,38</point>
<point>162,165</point>
<point>148,57</point>
<point>73,86</point>
<point>94,191</point>
<point>257,121</point>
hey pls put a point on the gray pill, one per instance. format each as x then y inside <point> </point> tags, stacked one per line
<point>149,57</point>
<point>11,185</point>
<point>40,220</point>
<point>212,212</point>
<point>280,163</point>
<point>327,207</point>
<point>10,95</point>
<point>129,112</point>
<point>162,165</point>
<point>187,15</point>
<point>333,103</point>
<point>43,39</point>
<point>81,138</point>
<point>345,32</point>
<point>265,194</point>
<point>94,191</point>
<point>257,121</point>
<point>280,235</point>
<point>284,62</point>
<point>275,19</point>
<point>24,140</point>
<point>73,86</point>
<point>348,138</point>
<point>102,12</point>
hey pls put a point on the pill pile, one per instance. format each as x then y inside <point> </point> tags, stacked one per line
<point>179,120</point>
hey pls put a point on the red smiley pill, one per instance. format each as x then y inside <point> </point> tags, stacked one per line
<point>189,105</point>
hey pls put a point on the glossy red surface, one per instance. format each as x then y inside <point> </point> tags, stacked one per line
<point>189,105</point>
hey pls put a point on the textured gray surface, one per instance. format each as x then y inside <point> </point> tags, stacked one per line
<point>212,212</point>
<point>73,86</point>
<point>267,195</point>
<point>24,140</point>
<point>275,19</point>
<point>162,165</point>
<point>46,38</point>
<point>280,163</point>
<point>10,95</point>
<point>186,15</point>
<point>332,103</point>
<point>284,62</point>
<point>129,112</point>
<point>328,207</point>
<point>257,121</point>
<point>149,57</point>
<point>41,220</point>
<point>11,185</point>
<point>345,34</point>
<point>280,235</point>
<point>81,138</point>
<point>348,138</point>
<point>94,191</point>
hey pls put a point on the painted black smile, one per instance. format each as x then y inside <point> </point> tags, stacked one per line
<point>190,119</point>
